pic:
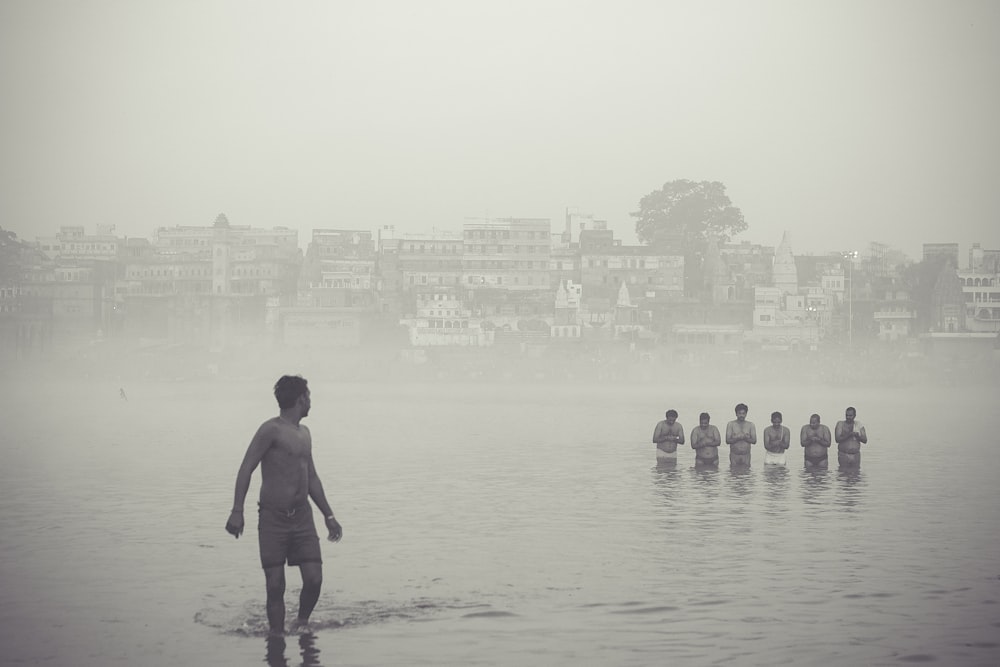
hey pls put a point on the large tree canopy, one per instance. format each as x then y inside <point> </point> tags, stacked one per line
<point>682,215</point>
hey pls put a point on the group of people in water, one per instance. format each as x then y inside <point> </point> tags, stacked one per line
<point>741,435</point>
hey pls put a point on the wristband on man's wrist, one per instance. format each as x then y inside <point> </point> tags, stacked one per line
<point>329,517</point>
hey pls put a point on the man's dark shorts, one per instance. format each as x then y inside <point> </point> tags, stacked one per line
<point>290,537</point>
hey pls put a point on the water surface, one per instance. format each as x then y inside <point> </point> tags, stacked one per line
<point>500,525</point>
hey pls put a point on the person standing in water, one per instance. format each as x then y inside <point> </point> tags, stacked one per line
<point>705,441</point>
<point>776,441</point>
<point>740,434</point>
<point>667,435</point>
<point>815,437</point>
<point>282,447</point>
<point>850,436</point>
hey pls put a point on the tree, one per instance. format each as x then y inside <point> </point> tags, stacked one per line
<point>11,264</point>
<point>681,216</point>
<point>920,279</point>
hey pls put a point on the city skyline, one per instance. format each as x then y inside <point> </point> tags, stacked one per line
<point>840,124</point>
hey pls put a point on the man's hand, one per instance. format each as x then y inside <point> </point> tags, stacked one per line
<point>235,524</point>
<point>336,531</point>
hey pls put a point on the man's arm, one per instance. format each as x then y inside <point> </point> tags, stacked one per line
<point>730,434</point>
<point>680,434</point>
<point>658,433</point>
<point>695,441</point>
<point>753,434</point>
<point>259,445</point>
<point>804,436</point>
<point>824,436</point>
<point>786,437</point>
<point>862,436</point>
<point>319,497</point>
<point>715,437</point>
<point>840,432</point>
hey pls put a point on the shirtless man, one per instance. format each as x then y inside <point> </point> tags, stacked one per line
<point>815,437</point>
<point>667,435</point>
<point>776,441</point>
<point>850,436</point>
<point>283,448</point>
<point>705,441</point>
<point>740,434</point>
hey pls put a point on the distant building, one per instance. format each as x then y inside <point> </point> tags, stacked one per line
<point>895,314</point>
<point>784,275</point>
<point>606,264</point>
<point>750,265</point>
<point>507,253</point>
<point>442,320</point>
<point>980,285</point>
<point>948,307</point>
<point>946,250</point>
<point>786,317</point>
<point>983,261</point>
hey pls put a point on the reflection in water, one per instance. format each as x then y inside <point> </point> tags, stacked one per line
<point>275,652</point>
<point>666,464</point>
<point>850,491</point>
<point>814,484</point>
<point>776,487</point>
<point>706,480</point>
<point>666,479</point>
<point>741,480</point>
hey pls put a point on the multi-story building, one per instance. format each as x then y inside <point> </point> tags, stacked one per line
<point>948,251</point>
<point>340,268</point>
<point>206,284</point>
<point>507,253</point>
<point>981,290</point>
<point>27,278</point>
<point>750,265</point>
<point>606,264</point>
<point>431,260</point>
<point>895,315</point>
<point>443,320</point>
<point>785,316</point>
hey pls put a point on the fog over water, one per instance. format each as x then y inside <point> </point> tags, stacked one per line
<point>501,506</point>
<point>842,122</point>
<point>499,522</point>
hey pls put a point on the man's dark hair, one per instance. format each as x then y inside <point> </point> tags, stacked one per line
<point>850,410</point>
<point>671,413</point>
<point>288,388</point>
<point>703,415</point>
<point>742,406</point>
<point>776,414</point>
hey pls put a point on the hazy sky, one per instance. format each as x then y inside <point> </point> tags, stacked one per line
<point>842,122</point>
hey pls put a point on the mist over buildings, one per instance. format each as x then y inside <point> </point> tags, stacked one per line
<point>388,131</point>
<point>843,124</point>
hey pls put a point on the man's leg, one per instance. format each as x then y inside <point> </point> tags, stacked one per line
<point>312,581</point>
<point>275,582</point>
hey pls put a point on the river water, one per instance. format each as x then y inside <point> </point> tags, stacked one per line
<point>500,525</point>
